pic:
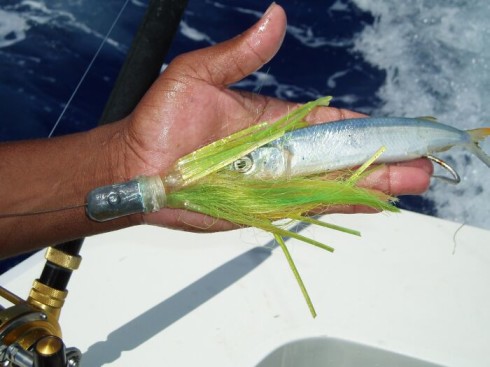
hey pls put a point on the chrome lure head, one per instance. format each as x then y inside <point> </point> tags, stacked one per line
<point>263,163</point>
<point>144,194</point>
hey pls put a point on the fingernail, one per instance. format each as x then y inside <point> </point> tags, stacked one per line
<point>272,5</point>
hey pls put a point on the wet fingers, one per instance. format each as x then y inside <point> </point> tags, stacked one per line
<point>402,179</point>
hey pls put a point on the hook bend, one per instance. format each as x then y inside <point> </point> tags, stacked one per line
<point>455,179</point>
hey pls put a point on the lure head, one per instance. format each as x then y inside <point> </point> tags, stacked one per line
<point>263,163</point>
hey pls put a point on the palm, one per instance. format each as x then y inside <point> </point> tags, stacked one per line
<point>197,113</point>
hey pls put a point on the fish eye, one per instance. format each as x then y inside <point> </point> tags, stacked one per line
<point>243,164</point>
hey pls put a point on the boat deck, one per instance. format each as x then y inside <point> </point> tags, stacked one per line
<point>412,284</point>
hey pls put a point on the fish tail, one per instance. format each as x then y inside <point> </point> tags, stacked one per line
<point>478,135</point>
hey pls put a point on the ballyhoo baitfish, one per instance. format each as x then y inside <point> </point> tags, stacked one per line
<point>349,143</point>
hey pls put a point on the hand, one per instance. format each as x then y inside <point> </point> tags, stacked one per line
<point>190,105</point>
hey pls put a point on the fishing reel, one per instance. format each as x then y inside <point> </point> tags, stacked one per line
<point>30,335</point>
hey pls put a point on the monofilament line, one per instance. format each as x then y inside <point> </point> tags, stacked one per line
<point>44,211</point>
<point>88,68</point>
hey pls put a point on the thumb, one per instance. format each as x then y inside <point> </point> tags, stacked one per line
<point>232,60</point>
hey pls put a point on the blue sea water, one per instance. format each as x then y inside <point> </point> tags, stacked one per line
<point>385,57</point>
<point>45,46</point>
<point>50,42</point>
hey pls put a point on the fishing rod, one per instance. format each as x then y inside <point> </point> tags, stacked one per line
<point>30,335</point>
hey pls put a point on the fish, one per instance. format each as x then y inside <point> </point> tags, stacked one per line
<point>345,144</point>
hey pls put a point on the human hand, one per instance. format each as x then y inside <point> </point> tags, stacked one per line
<point>190,105</point>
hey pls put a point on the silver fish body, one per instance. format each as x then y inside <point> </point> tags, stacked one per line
<point>349,143</point>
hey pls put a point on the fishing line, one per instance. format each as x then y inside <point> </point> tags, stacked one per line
<point>454,237</point>
<point>82,79</point>
<point>89,67</point>
<point>44,211</point>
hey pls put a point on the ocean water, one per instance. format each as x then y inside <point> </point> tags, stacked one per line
<point>381,57</point>
<point>436,57</point>
<point>45,47</point>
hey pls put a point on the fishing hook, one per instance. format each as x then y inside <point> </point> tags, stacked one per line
<point>455,179</point>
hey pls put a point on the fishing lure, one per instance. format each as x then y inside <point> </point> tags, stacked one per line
<point>286,157</point>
